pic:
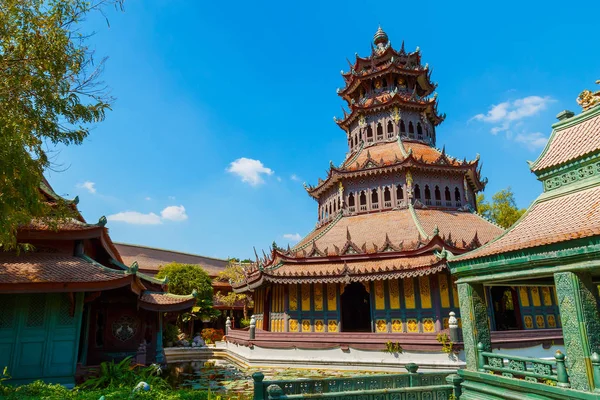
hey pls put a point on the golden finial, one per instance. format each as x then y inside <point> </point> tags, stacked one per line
<point>588,99</point>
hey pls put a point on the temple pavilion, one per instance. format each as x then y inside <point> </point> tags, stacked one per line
<point>71,302</point>
<point>548,264</point>
<point>397,200</point>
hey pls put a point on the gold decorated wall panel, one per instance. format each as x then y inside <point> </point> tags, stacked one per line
<point>331,297</point>
<point>305,290</point>
<point>318,296</point>
<point>379,295</point>
<point>394,294</point>
<point>455,301</point>
<point>444,290</point>
<point>409,293</point>
<point>293,297</point>
<point>425,291</point>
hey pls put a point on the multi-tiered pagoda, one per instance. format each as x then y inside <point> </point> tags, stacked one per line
<point>372,263</point>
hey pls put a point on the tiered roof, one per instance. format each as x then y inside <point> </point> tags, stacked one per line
<point>565,213</point>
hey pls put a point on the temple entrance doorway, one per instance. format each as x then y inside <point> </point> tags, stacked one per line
<point>356,308</point>
<point>505,303</point>
<point>267,310</point>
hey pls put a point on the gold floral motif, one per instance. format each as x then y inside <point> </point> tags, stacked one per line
<point>319,326</point>
<point>318,296</point>
<point>528,322</point>
<point>396,116</point>
<point>381,326</point>
<point>547,296</point>
<point>539,321</point>
<point>394,294</point>
<point>362,121</point>
<point>446,323</point>
<point>331,297</point>
<point>409,179</point>
<point>425,291</point>
<point>428,325</point>
<point>396,325</point>
<point>332,325</point>
<point>524,296</point>
<point>379,299</point>
<point>293,325</point>
<point>535,296</point>
<point>305,325</point>
<point>551,321</point>
<point>409,293</point>
<point>412,325</point>
<point>455,293</point>
<point>293,297</point>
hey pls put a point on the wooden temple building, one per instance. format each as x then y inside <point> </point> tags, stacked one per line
<point>549,264</point>
<point>71,301</point>
<point>372,264</point>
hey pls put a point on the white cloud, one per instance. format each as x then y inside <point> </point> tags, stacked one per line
<point>148,198</point>
<point>174,213</point>
<point>294,177</point>
<point>136,218</point>
<point>90,186</point>
<point>292,237</point>
<point>249,170</point>
<point>278,179</point>
<point>503,115</point>
<point>171,197</point>
<point>534,141</point>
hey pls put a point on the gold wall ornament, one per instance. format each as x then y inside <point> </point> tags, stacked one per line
<point>396,325</point>
<point>381,326</point>
<point>293,297</point>
<point>318,296</point>
<point>332,325</point>
<point>588,99</point>
<point>341,189</point>
<point>319,326</point>
<point>293,325</point>
<point>362,121</point>
<point>396,116</point>
<point>409,179</point>
<point>378,84</point>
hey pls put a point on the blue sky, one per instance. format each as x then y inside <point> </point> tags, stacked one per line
<point>202,85</point>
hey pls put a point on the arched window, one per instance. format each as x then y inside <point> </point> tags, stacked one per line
<point>427,193</point>
<point>339,207</point>
<point>438,195</point>
<point>355,139</point>
<point>447,194</point>
<point>363,198</point>
<point>384,82</point>
<point>417,192</point>
<point>374,196</point>
<point>369,132</point>
<point>379,130</point>
<point>351,200</point>
<point>387,197</point>
<point>456,194</point>
<point>402,127</point>
<point>399,192</point>
<point>390,127</point>
<point>411,128</point>
<point>419,129</point>
<point>334,206</point>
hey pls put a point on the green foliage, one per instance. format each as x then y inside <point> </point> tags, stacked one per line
<point>245,322</point>
<point>185,278</point>
<point>171,333</point>
<point>502,210</point>
<point>124,374</point>
<point>5,376</point>
<point>211,335</point>
<point>50,94</point>
<point>393,348</point>
<point>447,344</point>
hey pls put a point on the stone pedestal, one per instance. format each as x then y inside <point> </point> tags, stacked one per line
<point>578,305</point>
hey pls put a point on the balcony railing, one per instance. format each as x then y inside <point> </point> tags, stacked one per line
<point>387,204</point>
<point>427,202</point>
<point>417,385</point>
<point>390,135</point>
<point>530,369</point>
<point>375,206</point>
<point>401,203</point>
<point>352,209</point>
<point>363,207</point>
<point>438,203</point>
<point>448,204</point>
<point>458,204</point>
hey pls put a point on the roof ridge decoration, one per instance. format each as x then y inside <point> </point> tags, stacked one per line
<point>588,99</point>
<point>417,222</point>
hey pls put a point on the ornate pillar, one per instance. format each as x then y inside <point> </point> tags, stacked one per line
<point>476,329</point>
<point>578,306</point>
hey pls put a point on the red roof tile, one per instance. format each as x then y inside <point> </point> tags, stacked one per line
<point>150,259</point>
<point>572,216</point>
<point>459,225</point>
<point>570,143</point>
<point>165,301</point>
<point>71,273</point>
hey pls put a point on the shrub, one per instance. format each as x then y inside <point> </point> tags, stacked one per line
<point>211,335</point>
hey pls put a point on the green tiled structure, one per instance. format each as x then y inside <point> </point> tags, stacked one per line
<point>555,243</point>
